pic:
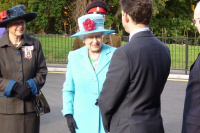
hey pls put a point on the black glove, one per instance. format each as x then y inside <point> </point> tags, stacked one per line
<point>97,102</point>
<point>21,91</point>
<point>71,123</point>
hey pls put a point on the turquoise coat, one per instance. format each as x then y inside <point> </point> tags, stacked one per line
<point>83,86</point>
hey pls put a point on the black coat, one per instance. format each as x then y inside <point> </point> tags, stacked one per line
<point>191,115</point>
<point>16,67</point>
<point>130,99</point>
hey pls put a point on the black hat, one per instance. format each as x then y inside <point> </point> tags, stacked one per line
<point>15,13</point>
<point>97,7</point>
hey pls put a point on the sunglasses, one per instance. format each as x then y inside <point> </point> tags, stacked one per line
<point>195,20</point>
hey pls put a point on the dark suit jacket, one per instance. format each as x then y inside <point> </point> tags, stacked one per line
<point>191,115</point>
<point>130,99</point>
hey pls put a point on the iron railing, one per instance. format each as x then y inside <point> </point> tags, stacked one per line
<point>183,51</point>
<point>55,47</point>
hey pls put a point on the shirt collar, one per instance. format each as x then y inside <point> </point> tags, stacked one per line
<point>138,30</point>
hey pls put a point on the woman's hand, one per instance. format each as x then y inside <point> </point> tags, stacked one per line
<point>21,91</point>
<point>71,123</point>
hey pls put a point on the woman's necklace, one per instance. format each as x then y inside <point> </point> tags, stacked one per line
<point>15,41</point>
<point>17,44</point>
<point>94,60</point>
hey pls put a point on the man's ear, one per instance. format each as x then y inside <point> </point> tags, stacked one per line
<point>127,17</point>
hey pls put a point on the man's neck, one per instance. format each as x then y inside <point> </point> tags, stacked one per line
<point>135,27</point>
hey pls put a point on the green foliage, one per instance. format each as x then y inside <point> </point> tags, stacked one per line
<point>6,4</point>
<point>159,5</point>
<point>173,19</point>
<point>170,17</point>
<point>49,16</point>
<point>113,18</point>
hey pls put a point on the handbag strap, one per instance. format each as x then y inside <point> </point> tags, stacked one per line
<point>40,91</point>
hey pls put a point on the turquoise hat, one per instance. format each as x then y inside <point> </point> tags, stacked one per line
<point>91,23</point>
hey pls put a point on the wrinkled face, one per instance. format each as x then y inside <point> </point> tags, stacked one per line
<point>93,42</point>
<point>16,28</point>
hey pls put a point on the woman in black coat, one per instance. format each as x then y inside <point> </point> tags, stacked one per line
<point>22,73</point>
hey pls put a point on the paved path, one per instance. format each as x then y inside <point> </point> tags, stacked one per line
<point>172,103</point>
<point>172,106</point>
<point>174,74</point>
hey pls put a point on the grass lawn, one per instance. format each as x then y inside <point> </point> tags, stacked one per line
<point>57,47</point>
<point>178,55</point>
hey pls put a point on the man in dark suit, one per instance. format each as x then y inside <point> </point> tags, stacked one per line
<point>130,99</point>
<point>191,114</point>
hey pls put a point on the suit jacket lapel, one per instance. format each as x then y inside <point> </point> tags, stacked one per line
<point>85,60</point>
<point>104,58</point>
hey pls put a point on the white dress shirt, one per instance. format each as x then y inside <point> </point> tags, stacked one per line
<point>138,30</point>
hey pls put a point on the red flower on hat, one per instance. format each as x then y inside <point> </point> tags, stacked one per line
<point>89,24</point>
<point>3,15</point>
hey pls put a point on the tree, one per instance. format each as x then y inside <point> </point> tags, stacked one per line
<point>170,17</point>
<point>50,16</point>
<point>173,18</point>
<point>112,18</point>
<point>68,24</point>
<point>79,10</point>
<point>6,4</point>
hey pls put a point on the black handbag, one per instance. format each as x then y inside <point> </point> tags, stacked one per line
<point>42,106</point>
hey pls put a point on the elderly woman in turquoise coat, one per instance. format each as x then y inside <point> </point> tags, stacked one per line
<point>85,75</point>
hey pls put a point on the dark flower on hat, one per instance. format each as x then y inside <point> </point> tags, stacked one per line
<point>89,24</point>
<point>3,15</point>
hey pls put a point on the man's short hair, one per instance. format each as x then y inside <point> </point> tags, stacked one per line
<point>139,10</point>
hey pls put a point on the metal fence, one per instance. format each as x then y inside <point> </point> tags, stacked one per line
<point>183,51</point>
<point>55,47</point>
